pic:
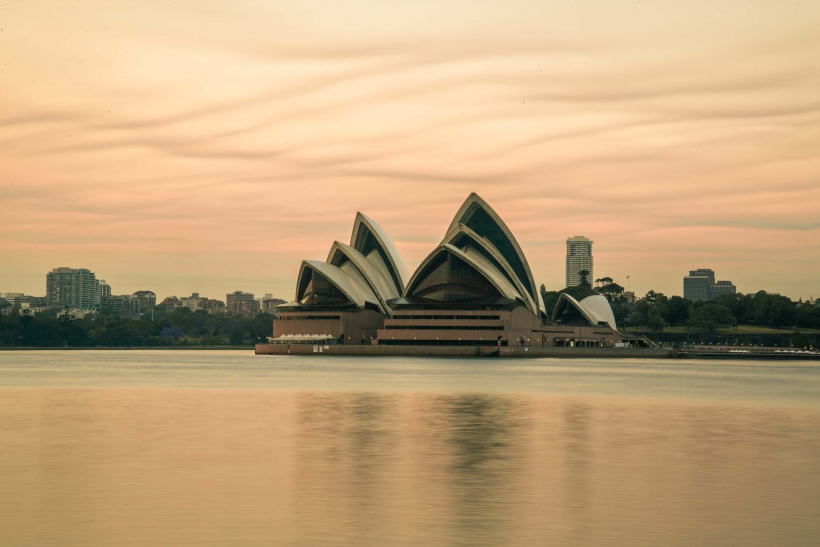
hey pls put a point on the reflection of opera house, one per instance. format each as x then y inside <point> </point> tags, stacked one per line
<point>474,289</point>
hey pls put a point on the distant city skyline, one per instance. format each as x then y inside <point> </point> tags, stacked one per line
<point>218,288</point>
<point>215,152</point>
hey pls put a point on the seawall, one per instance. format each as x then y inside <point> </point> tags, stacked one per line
<point>462,351</point>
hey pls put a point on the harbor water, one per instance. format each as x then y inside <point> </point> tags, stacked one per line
<point>229,448</point>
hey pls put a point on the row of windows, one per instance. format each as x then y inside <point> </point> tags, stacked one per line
<point>441,342</point>
<point>311,317</point>
<point>449,317</point>
<point>440,327</point>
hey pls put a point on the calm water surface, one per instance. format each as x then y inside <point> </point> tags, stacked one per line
<point>227,448</point>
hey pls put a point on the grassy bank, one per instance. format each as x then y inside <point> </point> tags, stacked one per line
<point>740,329</point>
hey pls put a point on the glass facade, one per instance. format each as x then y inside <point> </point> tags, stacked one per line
<point>466,244</point>
<point>366,243</point>
<point>696,288</point>
<point>449,279</point>
<point>316,290</point>
<point>569,314</point>
<point>483,224</point>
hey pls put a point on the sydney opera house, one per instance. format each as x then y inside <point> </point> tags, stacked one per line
<point>474,289</point>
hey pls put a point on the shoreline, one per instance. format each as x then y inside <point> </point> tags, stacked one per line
<point>507,352</point>
<point>132,348</point>
<point>458,351</point>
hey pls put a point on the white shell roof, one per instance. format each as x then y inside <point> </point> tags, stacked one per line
<point>396,262</point>
<point>541,305</point>
<point>475,199</point>
<point>565,299</point>
<point>599,306</point>
<point>595,309</point>
<point>383,287</point>
<point>358,293</point>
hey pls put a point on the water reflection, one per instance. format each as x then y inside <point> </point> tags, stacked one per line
<point>150,466</point>
<point>577,490</point>
<point>483,448</point>
<point>345,446</point>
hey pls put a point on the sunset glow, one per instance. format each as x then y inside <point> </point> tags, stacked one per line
<point>199,146</point>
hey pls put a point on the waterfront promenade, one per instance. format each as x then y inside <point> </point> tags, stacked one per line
<point>513,352</point>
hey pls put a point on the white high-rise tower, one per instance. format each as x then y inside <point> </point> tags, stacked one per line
<point>579,257</point>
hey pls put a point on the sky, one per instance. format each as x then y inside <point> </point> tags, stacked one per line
<point>208,146</point>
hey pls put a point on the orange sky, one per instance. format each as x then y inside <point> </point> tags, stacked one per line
<point>184,146</point>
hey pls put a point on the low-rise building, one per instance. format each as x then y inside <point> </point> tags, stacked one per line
<point>242,304</point>
<point>123,304</point>
<point>147,299</point>
<point>192,302</point>
<point>27,309</point>
<point>720,288</point>
<point>212,306</point>
<point>76,313</point>
<point>171,303</point>
<point>196,302</point>
<point>269,303</point>
<point>12,298</point>
<point>21,301</point>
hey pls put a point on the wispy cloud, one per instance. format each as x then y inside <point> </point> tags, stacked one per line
<point>142,145</point>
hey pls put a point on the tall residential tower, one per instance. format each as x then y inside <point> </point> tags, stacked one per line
<point>579,257</point>
<point>72,288</point>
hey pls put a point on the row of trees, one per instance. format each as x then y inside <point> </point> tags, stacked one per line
<point>656,311</point>
<point>168,328</point>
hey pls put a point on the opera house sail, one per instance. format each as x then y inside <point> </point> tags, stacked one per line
<point>474,289</point>
<point>589,322</point>
<point>344,299</point>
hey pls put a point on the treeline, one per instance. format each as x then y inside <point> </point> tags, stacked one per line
<point>761,309</point>
<point>656,311</point>
<point>180,327</point>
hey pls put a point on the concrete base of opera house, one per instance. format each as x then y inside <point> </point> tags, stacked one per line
<point>459,351</point>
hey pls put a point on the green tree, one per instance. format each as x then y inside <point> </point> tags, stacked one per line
<point>621,311</point>
<point>584,279</point>
<point>639,315</point>
<point>653,297</point>
<point>711,316</point>
<point>677,310</point>
<point>603,281</point>
<point>11,329</point>
<point>259,327</point>
<point>237,336</point>
<point>808,316</point>
<point>654,319</point>
<point>612,291</point>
